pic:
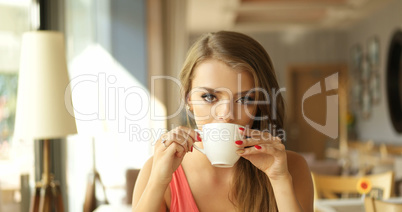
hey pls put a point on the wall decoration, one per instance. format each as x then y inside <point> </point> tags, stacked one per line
<point>366,103</point>
<point>357,56</point>
<point>366,78</point>
<point>375,87</point>
<point>373,52</point>
<point>373,55</point>
<point>365,69</point>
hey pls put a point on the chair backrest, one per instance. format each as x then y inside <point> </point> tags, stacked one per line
<point>131,178</point>
<point>373,205</point>
<point>330,187</point>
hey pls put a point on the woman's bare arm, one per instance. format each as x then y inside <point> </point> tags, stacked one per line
<point>155,176</point>
<point>287,171</point>
<point>148,195</point>
<point>296,191</point>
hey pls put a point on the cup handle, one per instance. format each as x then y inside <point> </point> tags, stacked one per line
<point>196,147</point>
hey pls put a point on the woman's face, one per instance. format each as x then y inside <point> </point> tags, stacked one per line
<point>221,94</point>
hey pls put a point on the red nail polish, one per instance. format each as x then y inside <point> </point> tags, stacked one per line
<point>198,137</point>
<point>191,148</point>
<point>239,142</point>
<point>241,128</point>
<point>257,147</point>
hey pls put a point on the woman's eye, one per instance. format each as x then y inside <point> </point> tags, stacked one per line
<point>208,97</point>
<point>245,100</point>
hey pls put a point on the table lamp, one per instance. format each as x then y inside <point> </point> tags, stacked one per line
<point>44,106</point>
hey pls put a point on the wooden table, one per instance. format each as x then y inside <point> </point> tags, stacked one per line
<point>346,205</point>
<point>113,208</point>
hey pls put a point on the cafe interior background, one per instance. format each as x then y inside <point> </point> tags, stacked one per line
<point>116,51</point>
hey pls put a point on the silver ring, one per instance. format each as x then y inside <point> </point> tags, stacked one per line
<point>163,142</point>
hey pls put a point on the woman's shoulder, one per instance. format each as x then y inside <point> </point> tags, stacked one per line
<point>296,163</point>
<point>301,178</point>
<point>294,155</point>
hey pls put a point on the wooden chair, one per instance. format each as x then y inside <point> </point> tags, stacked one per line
<point>334,187</point>
<point>131,178</point>
<point>373,205</point>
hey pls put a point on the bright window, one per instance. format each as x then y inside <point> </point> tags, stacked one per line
<point>16,157</point>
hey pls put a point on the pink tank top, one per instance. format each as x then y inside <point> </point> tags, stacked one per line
<point>182,199</point>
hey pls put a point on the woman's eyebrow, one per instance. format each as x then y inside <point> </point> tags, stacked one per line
<point>248,92</point>
<point>210,90</point>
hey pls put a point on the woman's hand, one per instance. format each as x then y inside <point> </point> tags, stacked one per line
<point>265,151</point>
<point>170,149</point>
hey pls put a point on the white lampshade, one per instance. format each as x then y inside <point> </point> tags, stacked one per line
<point>44,106</point>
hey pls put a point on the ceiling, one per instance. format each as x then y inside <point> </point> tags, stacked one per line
<point>277,15</point>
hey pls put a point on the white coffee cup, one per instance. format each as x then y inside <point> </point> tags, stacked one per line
<point>218,140</point>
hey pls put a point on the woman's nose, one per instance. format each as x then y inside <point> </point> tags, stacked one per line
<point>224,111</point>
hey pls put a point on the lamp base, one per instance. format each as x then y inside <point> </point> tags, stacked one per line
<point>47,198</point>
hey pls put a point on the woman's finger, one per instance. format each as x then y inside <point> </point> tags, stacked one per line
<point>271,149</point>
<point>177,149</point>
<point>189,134</point>
<point>247,142</point>
<point>173,137</point>
<point>256,134</point>
<point>184,136</point>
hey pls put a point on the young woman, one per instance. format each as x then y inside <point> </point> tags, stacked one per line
<point>227,77</point>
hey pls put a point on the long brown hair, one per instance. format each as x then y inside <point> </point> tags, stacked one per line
<point>251,189</point>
